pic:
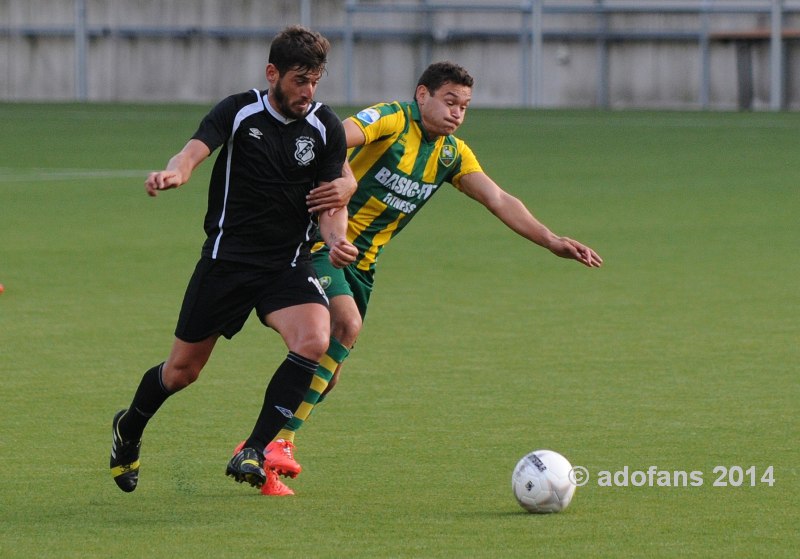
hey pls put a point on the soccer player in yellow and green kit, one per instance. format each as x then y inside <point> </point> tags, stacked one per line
<point>402,152</point>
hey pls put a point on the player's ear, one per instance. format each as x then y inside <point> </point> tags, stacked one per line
<point>421,94</point>
<point>272,74</point>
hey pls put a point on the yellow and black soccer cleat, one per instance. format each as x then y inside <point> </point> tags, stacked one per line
<point>124,457</point>
<point>246,465</point>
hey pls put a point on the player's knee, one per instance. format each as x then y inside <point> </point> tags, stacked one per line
<point>346,330</point>
<point>311,346</point>
<point>178,376</point>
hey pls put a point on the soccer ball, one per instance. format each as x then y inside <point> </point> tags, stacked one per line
<point>541,482</point>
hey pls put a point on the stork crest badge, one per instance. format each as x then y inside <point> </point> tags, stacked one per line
<point>447,155</point>
<point>304,152</point>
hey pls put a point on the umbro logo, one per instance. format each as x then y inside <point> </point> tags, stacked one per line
<point>286,413</point>
<point>256,133</point>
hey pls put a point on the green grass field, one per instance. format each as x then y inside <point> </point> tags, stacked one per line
<point>681,353</point>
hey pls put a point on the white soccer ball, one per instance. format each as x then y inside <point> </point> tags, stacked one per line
<point>541,482</point>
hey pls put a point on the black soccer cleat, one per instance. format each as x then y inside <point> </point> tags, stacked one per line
<point>247,465</point>
<point>124,457</point>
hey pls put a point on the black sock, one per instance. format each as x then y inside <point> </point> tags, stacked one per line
<point>284,395</point>
<point>148,398</point>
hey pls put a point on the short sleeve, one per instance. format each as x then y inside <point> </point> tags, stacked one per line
<point>468,163</point>
<point>216,127</point>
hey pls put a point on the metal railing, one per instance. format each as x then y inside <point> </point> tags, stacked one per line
<point>530,33</point>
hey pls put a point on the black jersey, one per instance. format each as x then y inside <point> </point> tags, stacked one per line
<point>257,210</point>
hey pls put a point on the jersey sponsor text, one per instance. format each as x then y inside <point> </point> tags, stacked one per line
<point>399,204</point>
<point>404,186</point>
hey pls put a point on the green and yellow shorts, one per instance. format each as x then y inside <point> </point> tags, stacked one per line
<point>343,281</point>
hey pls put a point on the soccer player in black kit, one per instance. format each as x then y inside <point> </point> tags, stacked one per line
<point>276,146</point>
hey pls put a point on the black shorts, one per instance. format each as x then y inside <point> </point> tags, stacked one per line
<point>222,294</point>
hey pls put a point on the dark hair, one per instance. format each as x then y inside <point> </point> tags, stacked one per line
<point>298,48</point>
<point>440,73</point>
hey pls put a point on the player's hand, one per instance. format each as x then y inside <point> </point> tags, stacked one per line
<point>342,253</point>
<point>161,180</point>
<point>570,248</point>
<point>331,195</point>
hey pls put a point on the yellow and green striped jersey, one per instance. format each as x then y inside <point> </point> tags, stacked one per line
<point>398,169</point>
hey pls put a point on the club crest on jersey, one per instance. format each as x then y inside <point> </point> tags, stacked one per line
<point>447,155</point>
<point>305,150</point>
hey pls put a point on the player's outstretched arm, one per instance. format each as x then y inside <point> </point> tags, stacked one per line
<point>179,168</point>
<point>333,228</point>
<point>518,218</point>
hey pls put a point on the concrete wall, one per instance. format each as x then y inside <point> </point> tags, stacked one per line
<point>185,56</point>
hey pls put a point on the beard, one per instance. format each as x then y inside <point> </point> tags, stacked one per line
<point>284,106</point>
